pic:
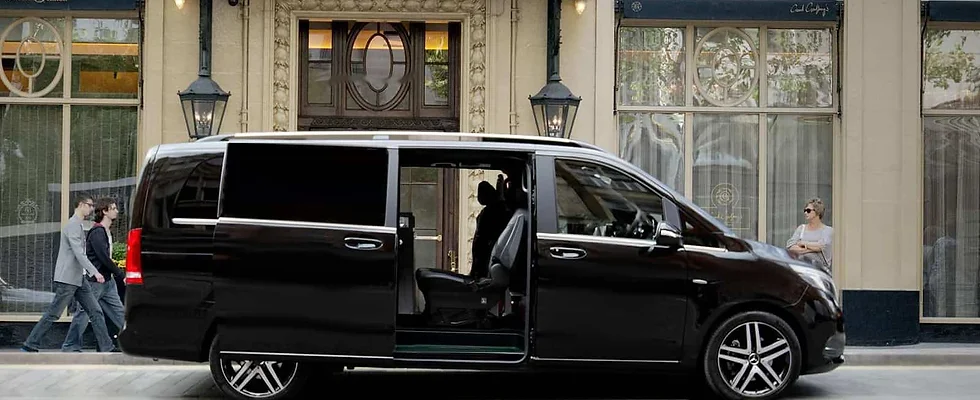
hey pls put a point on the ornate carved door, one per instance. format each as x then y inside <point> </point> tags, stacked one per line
<point>379,75</point>
<point>391,76</point>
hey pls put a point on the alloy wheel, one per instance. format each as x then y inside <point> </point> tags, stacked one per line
<point>258,379</point>
<point>755,359</point>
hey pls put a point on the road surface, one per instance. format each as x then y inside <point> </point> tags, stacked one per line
<point>145,382</point>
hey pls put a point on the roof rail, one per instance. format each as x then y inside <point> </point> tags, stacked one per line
<point>407,135</point>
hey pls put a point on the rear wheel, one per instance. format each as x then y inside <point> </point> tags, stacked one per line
<point>752,355</point>
<point>257,379</point>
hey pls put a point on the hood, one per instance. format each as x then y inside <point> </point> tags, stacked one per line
<point>769,251</point>
<point>777,254</point>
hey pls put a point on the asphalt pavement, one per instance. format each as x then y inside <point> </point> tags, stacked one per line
<point>94,381</point>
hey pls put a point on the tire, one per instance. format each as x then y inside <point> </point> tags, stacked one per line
<point>271,380</point>
<point>732,366</point>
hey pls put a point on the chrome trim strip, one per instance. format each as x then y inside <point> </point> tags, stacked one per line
<point>596,239</point>
<point>262,353</point>
<point>604,360</point>
<point>458,361</point>
<point>705,248</point>
<point>386,358</point>
<point>307,225</point>
<point>622,241</point>
<point>194,221</point>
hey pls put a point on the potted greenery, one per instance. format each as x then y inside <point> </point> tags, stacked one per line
<point>119,255</point>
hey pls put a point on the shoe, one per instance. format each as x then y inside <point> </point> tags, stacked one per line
<point>28,349</point>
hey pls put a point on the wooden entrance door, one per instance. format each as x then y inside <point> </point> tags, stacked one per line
<point>391,75</point>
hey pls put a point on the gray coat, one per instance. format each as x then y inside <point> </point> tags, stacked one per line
<point>71,254</point>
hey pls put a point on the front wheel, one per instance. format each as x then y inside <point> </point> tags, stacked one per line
<point>256,379</point>
<point>754,355</point>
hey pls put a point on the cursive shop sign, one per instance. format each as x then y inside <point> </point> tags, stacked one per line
<point>68,5</point>
<point>730,10</point>
<point>814,8</point>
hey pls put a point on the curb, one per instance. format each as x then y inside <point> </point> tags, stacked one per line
<point>909,356</point>
<point>17,357</point>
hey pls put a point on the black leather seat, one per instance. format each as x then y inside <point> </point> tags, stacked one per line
<point>452,298</point>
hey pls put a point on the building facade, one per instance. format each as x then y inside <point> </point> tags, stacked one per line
<point>750,108</point>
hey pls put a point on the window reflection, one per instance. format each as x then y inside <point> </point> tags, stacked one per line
<point>105,58</point>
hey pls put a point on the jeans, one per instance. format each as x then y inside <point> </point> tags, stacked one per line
<point>63,294</point>
<point>107,296</point>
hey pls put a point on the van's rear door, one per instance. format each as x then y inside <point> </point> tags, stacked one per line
<point>305,250</point>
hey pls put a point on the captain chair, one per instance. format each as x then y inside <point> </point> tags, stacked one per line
<point>453,298</point>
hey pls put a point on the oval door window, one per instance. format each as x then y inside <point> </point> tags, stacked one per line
<point>379,65</point>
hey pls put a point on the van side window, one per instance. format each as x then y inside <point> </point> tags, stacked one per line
<point>306,183</point>
<point>694,234</point>
<point>598,201</point>
<point>198,198</point>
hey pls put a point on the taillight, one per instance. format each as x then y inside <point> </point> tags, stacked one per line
<point>134,266</point>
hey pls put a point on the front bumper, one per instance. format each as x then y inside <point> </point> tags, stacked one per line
<point>831,357</point>
<point>826,336</point>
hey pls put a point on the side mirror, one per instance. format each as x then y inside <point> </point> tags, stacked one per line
<point>668,237</point>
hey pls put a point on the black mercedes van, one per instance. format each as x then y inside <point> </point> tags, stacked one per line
<point>277,257</point>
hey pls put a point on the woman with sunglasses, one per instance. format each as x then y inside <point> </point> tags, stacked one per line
<point>812,241</point>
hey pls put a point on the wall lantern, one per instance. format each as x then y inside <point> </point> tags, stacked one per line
<point>204,101</point>
<point>580,6</point>
<point>554,106</point>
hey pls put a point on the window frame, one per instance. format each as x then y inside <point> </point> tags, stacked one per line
<point>926,112</point>
<point>66,101</point>
<point>546,200</point>
<point>561,160</point>
<point>386,219</point>
<point>763,111</point>
<point>194,173</point>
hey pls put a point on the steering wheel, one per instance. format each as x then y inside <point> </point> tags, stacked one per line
<point>642,225</point>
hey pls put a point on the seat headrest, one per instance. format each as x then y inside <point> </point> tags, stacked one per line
<point>515,195</point>
<point>486,194</point>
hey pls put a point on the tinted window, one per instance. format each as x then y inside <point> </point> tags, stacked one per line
<point>297,182</point>
<point>694,233</point>
<point>198,198</point>
<point>598,201</point>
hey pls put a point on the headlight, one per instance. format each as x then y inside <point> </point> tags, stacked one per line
<point>816,278</point>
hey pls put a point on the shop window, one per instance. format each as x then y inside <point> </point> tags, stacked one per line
<point>951,178</point>
<point>85,119</point>
<point>741,119</point>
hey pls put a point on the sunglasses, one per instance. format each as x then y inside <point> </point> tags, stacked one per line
<point>808,210</point>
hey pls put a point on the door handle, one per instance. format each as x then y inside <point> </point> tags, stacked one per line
<point>567,253</point>
<point>357,243</point>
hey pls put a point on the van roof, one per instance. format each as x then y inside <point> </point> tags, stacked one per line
<point>421,136</point>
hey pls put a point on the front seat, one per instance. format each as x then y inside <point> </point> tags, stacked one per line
<point>457,299</point>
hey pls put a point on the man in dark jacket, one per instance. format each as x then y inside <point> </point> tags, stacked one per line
<point>98,249</point>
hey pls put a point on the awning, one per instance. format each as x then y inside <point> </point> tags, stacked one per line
<point>952,10</point>
<point>68,5</point>
<point>747,10</point>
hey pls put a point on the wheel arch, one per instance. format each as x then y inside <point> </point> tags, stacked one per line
<point>205,349</point>
<point>753,305</point>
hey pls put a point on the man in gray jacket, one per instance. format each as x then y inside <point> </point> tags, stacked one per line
<point>69,282</point>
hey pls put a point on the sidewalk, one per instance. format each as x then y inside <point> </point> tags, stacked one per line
<point>924,354</point>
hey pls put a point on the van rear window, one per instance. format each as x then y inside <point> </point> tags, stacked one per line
<point>302,182</point>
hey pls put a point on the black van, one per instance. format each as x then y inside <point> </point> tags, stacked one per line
<point>276,257</point>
